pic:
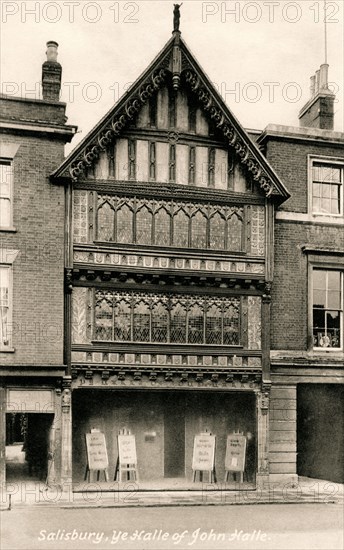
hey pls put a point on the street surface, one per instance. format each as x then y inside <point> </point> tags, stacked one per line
<point>245,527</point>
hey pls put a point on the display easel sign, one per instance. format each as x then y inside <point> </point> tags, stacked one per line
<point>127,449</point>
<point>203,458</point>
<point>235,454</point>
<point>97,457</point>
<point>127,457</point>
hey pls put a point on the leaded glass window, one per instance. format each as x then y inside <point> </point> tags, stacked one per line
<point>213,328</point>
<point>178,319</point>
<point>123,320</point>
<point>231,325</point>
<point>165,223</point>
<point>217,230</point>
<point>195,325</point>
<point>141,324</point>
<point>104,316</point>
<point>178,323</point>
<point>106,217</point>
<point>160,322</point>
<point>199,230</point>
<point>144,226</point>
<point>162,227</point>
<point>181,229</point>
<point>234,233</point>
<point>124,225</point>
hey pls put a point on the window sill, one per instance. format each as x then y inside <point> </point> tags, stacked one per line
<point>8,229</point>
<point>8,350</point>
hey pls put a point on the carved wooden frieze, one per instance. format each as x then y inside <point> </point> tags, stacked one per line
<point>162,359</point>
<point>165,377</point>
<point>169,262</point>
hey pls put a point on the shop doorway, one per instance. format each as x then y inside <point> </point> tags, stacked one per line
<point>27,441</point>
<point>320,427</point>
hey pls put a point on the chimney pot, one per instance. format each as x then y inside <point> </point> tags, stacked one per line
<point>312,86</point>
<point>323,77</point>
<point>52,50</point>
<point>317,78</point>
<point>51,74</point>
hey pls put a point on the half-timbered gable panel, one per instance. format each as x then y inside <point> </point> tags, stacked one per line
<point>173,140</point>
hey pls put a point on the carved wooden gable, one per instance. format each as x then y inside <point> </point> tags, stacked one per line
<point>172,127</point>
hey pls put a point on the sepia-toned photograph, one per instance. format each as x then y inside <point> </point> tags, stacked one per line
<point>172,275</point>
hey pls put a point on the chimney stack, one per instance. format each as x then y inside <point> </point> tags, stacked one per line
<point>51,74</point>
<point>319,110</point>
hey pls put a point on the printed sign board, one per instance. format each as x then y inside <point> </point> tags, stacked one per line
<point>96,451</point>
<point>203,457</point>
<point>235,453</point>
<point>127,449</point>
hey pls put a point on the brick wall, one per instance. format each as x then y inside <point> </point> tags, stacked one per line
<point>289,160</point>
<point>17,108</point>
<point>289,309</point>
<point>38,269</point>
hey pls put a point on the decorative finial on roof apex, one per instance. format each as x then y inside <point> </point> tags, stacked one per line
<point>176,17</point>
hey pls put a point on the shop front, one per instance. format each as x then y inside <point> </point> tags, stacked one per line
<point>163,425</point>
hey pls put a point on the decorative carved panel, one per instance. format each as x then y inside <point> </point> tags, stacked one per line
<point>257,232</point>
<point>254,322</point>
<point>169,262</point>
<point>80,216</point>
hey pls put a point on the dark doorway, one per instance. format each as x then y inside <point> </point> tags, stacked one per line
<point>320,424</point>
<point>27,440</point>
<point>174,436</point>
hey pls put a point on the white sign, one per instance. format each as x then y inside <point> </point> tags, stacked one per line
<point>204,452</point>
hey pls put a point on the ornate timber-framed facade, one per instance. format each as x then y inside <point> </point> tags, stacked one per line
<point>168,267</point>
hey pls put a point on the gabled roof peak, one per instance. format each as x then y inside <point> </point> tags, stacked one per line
<point>175,60</point>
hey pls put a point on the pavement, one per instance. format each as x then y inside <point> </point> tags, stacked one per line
<point>18,494</point>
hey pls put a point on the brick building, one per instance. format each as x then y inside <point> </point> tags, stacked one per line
<point>307,415</point>
<point>188,269</point>
<point>33,134</point>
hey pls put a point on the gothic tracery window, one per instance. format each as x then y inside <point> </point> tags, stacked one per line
<point>181,229</point>
<point>178,319</point>
<point>164,223</point>
<point>217,229</point>
<point>144,226</point>
<point>199,230</point>
<point>234,233</point>
<point>105,222</point>
<point>124,225</point>
<point>162,229</point>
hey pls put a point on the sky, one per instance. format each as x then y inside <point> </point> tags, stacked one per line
<point>259,54</point>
